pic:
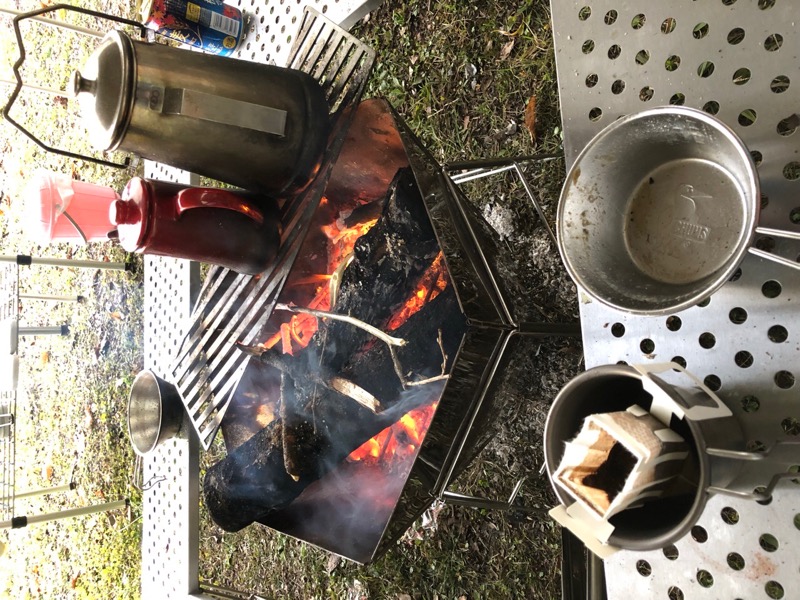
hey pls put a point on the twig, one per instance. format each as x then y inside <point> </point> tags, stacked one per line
<point>392,341</point>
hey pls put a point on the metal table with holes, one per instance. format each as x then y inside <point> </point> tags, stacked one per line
<point>170,475</point>
<point>739,61</point>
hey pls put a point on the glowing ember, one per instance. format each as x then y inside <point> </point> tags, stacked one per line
<point>432,283</point>
<point>398,441</point>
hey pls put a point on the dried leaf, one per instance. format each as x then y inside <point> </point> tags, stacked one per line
<point>116,315</point>
<point>48,472</point>
<point>45,357</point>
<point>530,117</point>
<point>505,51</point>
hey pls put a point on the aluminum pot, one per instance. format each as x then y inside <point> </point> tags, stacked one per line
<point>260,127</point>
<point>658,211</point>
<point>155,412</point>
<point>706,423</point>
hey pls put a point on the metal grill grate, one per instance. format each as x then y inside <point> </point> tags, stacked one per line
<point>232,307</point>
<point>737,60</point>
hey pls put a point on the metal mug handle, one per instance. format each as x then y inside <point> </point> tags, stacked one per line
<point>191,198</point>
<point>18,75</point>
<point>780,233</point>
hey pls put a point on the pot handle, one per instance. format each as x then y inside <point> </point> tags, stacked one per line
<point>226,111</point>
<point>779,233</point>
<point>18,75</point>
<point>190,198</point>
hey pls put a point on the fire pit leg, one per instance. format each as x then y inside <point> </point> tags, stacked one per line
<point>456,499</point>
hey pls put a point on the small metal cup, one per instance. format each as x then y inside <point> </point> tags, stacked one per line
<point>658,210</point>
<point>155,412</point>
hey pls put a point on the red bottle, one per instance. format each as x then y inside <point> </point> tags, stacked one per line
<point>231,228</point>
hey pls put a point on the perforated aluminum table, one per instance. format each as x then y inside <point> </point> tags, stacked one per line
<point>170,530</point>
<point>738,60</point>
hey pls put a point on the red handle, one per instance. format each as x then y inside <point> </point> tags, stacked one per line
<point>216,198</point>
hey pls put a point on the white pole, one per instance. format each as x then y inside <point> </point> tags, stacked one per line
<point>19,522</point>
<point>47,330</point>
<point>22,259</point>
<point>52,298</point>
<point>41,492</point>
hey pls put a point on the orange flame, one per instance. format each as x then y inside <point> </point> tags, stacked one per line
<point>400,440</point>
<point>432,283</point>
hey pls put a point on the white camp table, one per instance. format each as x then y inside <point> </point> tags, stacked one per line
<point>739,60</point>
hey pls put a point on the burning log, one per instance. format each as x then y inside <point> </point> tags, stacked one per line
<point>353,380</point>
<point>253,481</point>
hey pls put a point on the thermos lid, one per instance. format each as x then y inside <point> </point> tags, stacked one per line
<point>131,214</point>
<point>104,89</point>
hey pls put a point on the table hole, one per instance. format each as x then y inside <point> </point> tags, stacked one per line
<point>674,593</point>
<point>591,80</point>
<point>797,521</point>
<point>704,303</point>
<point>588,46</point>
<point>791,426</point>
<point>707,340</point>
<point>735,561</point>
<point>614,52</point>
<point>647,346</point>
<point>773,42</point>
<point>700,31</point>
<point>763,490</point>
<point>777,334</point>
<point>757,157</point>
<point>765,4</point>
<point>764,201</point>
<point>618,330</point>
<point>792,171</point>
<point>584,13</point>
<point>756,446</point>
<point>618,86</point>
<point>711,107</point>
<point>642,57</point>
<point>738,315</point>
<point>736,36</point>
<point>784,379</point>
<point>743,359</point>
<point>741,76</point>
<point>622,362</point>
<point>704,578</point>
<point>773,588</point>
<point>747,117</point>
<point>768,542</point>
<point>706,69</point>
<point>729,515</point>
<point>771,289</point>
<point>679,360</point>
<point>750,403</point>
<point>646,93</point>
<point>765,243</point>
<point>595,114</point>
<point>677,99</point>
<point>672,63</point>
<point>780,84</point>
<point>674,323</point>
<point>668,25</point>
<point>611,17</point>
<point>643,568</point>
<point>699,534</point>
<point>713,382</point>
<point>638,21</point>
<point>671,551</point>
<point>728,2</point>
<point>788,126</point>
<point>794,215</point>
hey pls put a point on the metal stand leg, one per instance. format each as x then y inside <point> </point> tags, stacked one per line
<point>456,499</point>
<point>47,330</point>
<point>52,298</point>
<point>19,522</point>
<point>50,490</point>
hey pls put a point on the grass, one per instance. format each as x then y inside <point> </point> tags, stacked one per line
<point>462,75</point>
